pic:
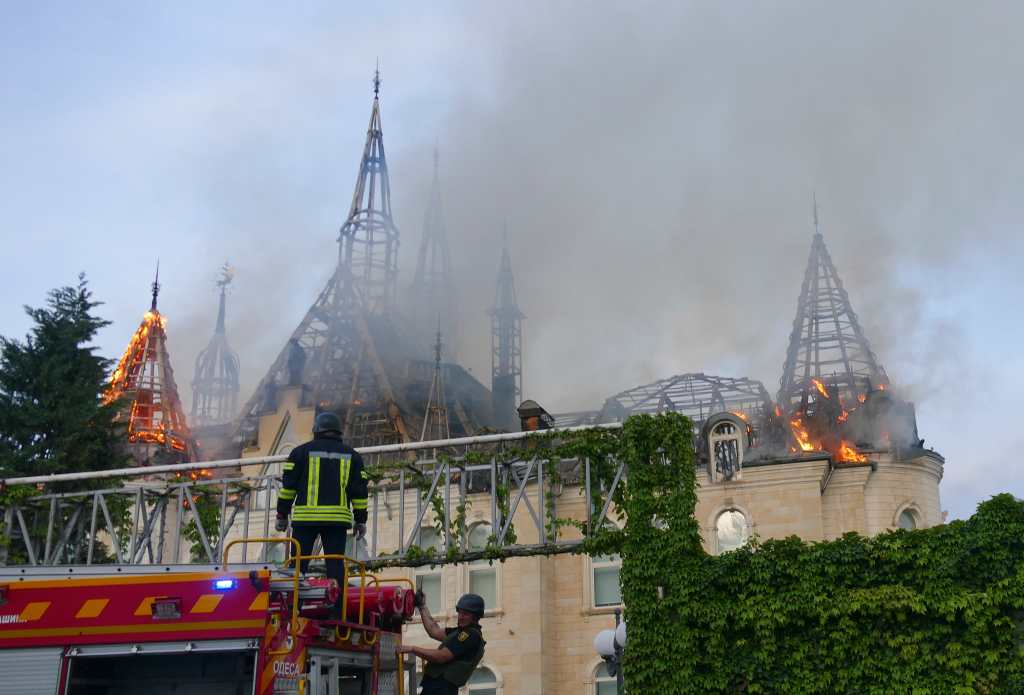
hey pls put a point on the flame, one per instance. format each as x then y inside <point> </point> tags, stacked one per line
<point>778,411</point>
<point>862,397</point>
<point>740,415</point>
<point>844,416</point>
<point>821,387</point>
<point>802,436</point>
<point>882,387</point>
<point>847,452</point>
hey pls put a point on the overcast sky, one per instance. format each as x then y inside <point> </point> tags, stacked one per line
<point>654,164</point>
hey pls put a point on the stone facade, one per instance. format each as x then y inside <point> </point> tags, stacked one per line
<point>542,620</point>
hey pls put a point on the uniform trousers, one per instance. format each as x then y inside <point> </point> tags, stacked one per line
<point>438,686</point>
<point>332,538</point>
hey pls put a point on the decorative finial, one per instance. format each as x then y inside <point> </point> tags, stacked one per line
<point>376,80</point>
<point>814,196</point>
<point>227,274</point>
<point>156,286</point>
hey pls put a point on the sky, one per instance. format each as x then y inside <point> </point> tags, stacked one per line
<point>653,163</point>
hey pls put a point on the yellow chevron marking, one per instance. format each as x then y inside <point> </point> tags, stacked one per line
<point>146,607</point>
<point>261,601</point>
<point>206,603</point>
<point>92,608</point>
<point>33,611</point>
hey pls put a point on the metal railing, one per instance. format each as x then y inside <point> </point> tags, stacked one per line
<point>181,513</point>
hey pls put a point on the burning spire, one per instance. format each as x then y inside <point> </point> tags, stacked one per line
<point>333,355</point>
<point>368,241</point>
<point>828,353</point>
<point>432,291</point>
<point>215,384</point>
<point>435,420</point>
<point>506,345</point>
<point>144,384</point>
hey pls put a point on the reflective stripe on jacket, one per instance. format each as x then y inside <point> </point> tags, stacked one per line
<point>324,482</point>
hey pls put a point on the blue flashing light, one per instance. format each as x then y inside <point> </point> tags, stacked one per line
<point>224,584</point>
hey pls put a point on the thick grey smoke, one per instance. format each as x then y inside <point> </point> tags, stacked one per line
<point>655,165</point>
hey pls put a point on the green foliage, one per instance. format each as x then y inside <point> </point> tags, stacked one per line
<point>939,610</point>
<point>52,418</point>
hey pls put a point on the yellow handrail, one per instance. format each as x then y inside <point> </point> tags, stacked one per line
<point>293,627</point>
<point>345,560</point>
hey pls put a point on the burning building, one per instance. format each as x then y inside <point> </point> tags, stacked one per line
<point>143,384</point>
<point>357,351</point>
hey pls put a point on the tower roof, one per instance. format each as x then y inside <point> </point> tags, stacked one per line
<point>368,240</point>
<point>827,343</point>
<point>506,344</point>
<point>215,383</point>
<point>432,294</point>
<point>144,382</point>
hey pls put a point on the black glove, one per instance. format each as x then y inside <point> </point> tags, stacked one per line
<point>419,599</point>
<point>359,531</point>
<point>281,524</point>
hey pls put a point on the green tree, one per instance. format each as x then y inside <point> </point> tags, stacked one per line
<point>52,417</point>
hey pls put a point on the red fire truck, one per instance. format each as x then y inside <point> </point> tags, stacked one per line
<point>200,630</point>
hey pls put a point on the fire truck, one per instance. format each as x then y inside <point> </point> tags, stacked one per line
<point>223,629</point>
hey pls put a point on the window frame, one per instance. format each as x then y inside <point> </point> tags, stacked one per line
<point>596,680</point>
<point>442,611</point>
<point>592,568</point>
<point>912,510</point>
<point>713,527</point>
<point>497,685</point>
<point>482,566</point>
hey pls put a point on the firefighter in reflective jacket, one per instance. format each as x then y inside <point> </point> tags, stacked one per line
<point>460,652</point>
<point>324,488</point>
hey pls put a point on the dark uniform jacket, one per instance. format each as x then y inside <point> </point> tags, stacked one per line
<point>324,483</point>
<point>467,646</point>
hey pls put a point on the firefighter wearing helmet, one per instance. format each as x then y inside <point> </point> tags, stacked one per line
<point>324,489</point>
<point>461,650</point>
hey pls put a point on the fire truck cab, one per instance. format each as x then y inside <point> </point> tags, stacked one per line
<point>240,629</point>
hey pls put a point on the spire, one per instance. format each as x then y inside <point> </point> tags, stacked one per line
<point>368,240</point>
<point>432,293</point>
<point>827,343</point>
<point>215,383</point>
<point>156,286</point>
<point>435,420</point>
<point>143,382</point>
<point>506,344</point>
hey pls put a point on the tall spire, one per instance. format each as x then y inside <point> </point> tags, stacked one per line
<point>333,355</point>
<point>143,382</point>
<point>432,293</point>
<point>827,343</point>
<point>155,286</point>
<point>368,240</point>
<point>506,344</point>
<point>435,420</point>
<point>215,383</point>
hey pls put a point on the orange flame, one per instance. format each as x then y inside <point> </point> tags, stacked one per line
<point>803,438</point>
<point>848,453</point>
<point>740,415</point>
<point>862,397</point>
<point>821,387</point>
<point>844,416</point>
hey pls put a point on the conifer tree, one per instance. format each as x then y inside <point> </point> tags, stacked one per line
<point>52,417</point>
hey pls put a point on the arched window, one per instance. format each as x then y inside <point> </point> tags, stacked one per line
<point>908,520</point>
<point>731,530</point>
<point>483,576</point>
<point>604,682</point>
<point>429,579</point>
<point>483,682</point>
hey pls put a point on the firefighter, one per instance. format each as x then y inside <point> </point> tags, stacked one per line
<point>461,650</point>
<point>324,488</point>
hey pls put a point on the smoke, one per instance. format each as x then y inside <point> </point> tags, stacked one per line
<point>654,165</point>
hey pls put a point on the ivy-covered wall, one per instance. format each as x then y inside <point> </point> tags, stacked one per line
<point>939,610</point>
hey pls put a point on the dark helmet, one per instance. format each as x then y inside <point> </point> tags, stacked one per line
<point>471,603</point>
<point>327,422</point>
